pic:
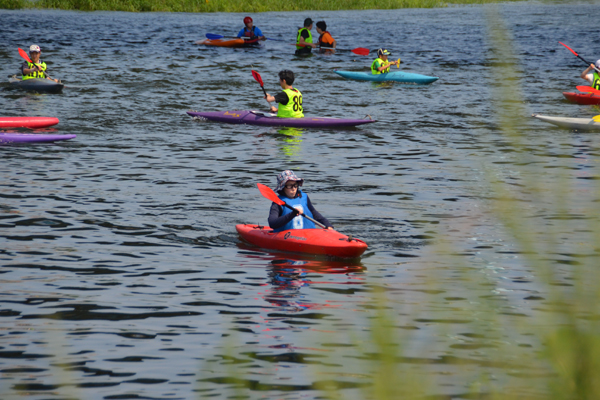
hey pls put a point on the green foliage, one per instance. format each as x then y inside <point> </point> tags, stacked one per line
<point>250,6</point>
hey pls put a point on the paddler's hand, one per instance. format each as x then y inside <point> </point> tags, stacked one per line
<point>269,98</point>
<point>273,109</point>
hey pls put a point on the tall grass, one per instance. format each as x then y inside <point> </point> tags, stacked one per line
<point>249,6</point>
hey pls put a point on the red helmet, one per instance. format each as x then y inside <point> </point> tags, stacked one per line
<point>247,20</point>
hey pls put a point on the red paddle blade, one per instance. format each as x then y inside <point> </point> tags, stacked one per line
<point>258,79</point>
<point>588,89</point>
<point>268,193</point>
<point>24,54</point>
<point>570,49</point>
<point>361,51</point>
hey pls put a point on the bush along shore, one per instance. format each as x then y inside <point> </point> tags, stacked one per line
<point>250,6</point>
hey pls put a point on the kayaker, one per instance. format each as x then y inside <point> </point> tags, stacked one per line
<point>250,31</point>
<point>290,99</point>
<point>381,65</point>
<point>325,39</point>
<point>591,75</point>
<point>38,68</point>
<point>304,40</point>
<point>282,218</point>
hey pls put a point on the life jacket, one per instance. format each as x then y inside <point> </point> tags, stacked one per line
<point>381,62</point>
<point>251,34</point>
<point>325,44</point>
<point>293,108</point>
<point>307,40</point>
<point>35,74</point>
<point>596,81</point>
<point>299,222</point>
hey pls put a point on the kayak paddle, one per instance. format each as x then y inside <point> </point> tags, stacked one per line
<point>578,56</point>
<point>23,54</point>
<point>258,79</point>
<point>268,193</point>
<point>596,118</point>
<point>361,51</point>
<point>212,36</point>
<point>588,89</point>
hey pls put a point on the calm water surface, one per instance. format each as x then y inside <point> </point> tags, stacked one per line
<point>122,274</point>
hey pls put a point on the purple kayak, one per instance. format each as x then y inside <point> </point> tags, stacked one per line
<point>250,117</point>
<point>15,137</point>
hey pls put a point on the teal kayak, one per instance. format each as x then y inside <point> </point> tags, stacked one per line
<point>394,76</point>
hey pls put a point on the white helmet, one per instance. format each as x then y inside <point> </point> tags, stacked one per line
<point>34,48</point>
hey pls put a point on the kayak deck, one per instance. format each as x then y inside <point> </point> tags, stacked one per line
<point>312,241</point>
<point>582,124</point>
<point>251,117</point>
<point>15,137</point>
<point>27,122</point>
<point>589,99</point>
<point>393,76</point>
<point>36,85</point>
<point>229,43</point>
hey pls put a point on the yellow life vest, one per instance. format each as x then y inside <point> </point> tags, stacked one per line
<point>307,40</point>
<point>596,81</point>
<point>35,74</point>
<point>381,62</point>
<point>293,108</point>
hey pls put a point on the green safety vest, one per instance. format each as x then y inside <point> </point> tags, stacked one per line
<point>293,109</point>
<point>381,62</point>
<point>596,81</point>
<point>36,74</point>
<point>308,40</point>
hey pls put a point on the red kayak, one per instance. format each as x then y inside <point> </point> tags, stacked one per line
<point>583,98</point>
<point>27,122</point>
<point>313,241</point>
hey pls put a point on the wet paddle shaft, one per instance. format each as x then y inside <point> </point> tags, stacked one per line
<point>578,56</point>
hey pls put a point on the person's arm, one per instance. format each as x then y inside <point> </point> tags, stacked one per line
<point>317,215</point>
<point>304,35</point>
<point>241,33</point>
<point>281,98</point>
<point>276,220</point>
<point>259,33</point>
<point>586,75</point>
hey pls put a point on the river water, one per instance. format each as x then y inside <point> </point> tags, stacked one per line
<point>122,274</point>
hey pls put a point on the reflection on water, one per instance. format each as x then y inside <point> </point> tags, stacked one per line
<point>120,268</point>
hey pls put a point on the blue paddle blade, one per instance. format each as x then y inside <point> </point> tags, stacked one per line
<point>213,36</point>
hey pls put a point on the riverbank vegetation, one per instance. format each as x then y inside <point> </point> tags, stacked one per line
<point>250,6</point>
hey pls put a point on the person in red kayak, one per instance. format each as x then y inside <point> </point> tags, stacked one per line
<point>282,218</point>
<point>38,68</point>
<point>325,39</point>
<point>591,75</point>
<point>381,65</point>
<point>304,40</point>
<point>290,99</point>
<point>250,31</point>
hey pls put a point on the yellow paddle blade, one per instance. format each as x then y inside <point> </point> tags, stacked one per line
<point>596,118</point>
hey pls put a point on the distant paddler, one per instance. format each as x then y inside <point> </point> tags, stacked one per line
<point>326,41</point>
<point>591,75</point>
<point>290,99</point>
<point>34,68</point>
<point>249,31</point>
<point>381,65</point>
<point>304,39</point>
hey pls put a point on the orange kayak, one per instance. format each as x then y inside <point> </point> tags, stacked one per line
<point>312,241</point>
<point>229,42</point>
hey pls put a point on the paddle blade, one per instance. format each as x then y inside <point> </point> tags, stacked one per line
<point>269,194</point>
<point>596,118</point>
<point>588,89</point>
<point>24,54</point>
<point>361,51</point>
<point>570,49</point>
<point>257,77</point>
<point>213,36</point>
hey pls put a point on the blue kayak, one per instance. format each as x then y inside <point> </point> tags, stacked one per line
<point>394,76</point>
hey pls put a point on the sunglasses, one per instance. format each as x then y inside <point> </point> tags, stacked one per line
<point>294,186</point>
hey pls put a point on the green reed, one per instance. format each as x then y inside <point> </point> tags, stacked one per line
<point>249,6</point>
